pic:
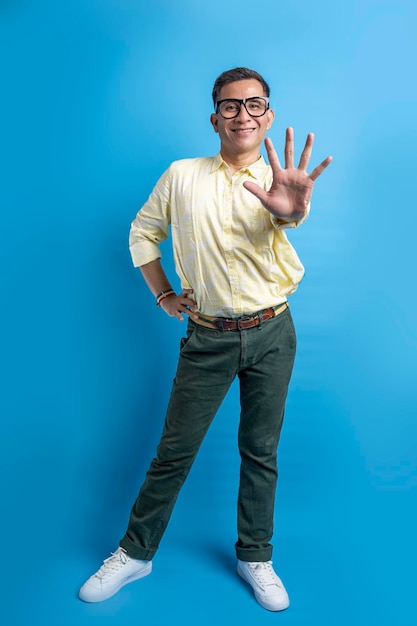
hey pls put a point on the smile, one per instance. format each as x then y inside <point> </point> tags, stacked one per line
<point>243,131</point>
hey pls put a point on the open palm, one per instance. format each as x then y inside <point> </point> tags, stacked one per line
<point>291,188</point>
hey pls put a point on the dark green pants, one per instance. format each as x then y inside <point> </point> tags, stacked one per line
<point>262,358</point>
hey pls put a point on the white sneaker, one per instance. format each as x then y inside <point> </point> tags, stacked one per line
<point>116,571</point>
<point>268,587</point>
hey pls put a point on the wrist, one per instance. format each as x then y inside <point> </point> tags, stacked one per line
<point>164,294</point>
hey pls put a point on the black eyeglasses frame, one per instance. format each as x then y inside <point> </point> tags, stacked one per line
<point>244,101</point>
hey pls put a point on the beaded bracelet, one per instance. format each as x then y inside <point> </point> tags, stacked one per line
<point>164,294</point>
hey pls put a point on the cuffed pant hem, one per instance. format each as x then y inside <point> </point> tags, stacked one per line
<point>254,554</point>
<point>135,552</point>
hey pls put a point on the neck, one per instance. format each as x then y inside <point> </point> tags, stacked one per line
<point>238,161</point>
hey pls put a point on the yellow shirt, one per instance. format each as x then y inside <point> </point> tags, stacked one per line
<point>227,247</point>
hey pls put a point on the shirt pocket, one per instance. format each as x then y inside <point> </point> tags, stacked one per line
<point>260,228</point>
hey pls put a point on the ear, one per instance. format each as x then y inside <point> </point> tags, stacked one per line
<point>271,117</point>
<point>214,122</point>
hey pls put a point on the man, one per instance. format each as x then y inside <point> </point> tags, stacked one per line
<point>228,216</point>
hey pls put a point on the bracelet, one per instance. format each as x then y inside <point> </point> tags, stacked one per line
<point>164,294</point>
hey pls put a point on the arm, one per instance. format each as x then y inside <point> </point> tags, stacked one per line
<point>148,229</point>
<point>291,189</point>
<point>157,281</point>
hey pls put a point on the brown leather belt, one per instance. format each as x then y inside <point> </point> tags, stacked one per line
<point>240,323</point>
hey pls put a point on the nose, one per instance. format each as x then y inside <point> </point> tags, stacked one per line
<point>243,114</point>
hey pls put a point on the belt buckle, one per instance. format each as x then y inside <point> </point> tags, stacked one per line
<point>244,318</point>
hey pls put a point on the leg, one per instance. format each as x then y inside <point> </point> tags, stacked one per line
<point>207,366</point>
<point>264,381</point>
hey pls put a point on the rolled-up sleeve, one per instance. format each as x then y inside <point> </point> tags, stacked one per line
<point>151,224</point>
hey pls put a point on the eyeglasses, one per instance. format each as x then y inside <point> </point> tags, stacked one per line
<point>256,107</point>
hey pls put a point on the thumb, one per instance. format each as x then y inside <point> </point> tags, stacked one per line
<point>256,190</point>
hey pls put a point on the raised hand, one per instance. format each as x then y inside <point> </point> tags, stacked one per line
<point>291,188</point>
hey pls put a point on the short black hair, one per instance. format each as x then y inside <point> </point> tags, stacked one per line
<point>238,73</point>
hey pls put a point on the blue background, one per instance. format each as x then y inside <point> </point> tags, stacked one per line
<point>93,109</point>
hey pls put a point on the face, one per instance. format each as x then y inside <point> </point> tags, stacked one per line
<point>242,134</point>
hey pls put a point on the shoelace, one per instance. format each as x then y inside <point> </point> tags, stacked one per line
<point>113,563</point>
<point>265,574</point>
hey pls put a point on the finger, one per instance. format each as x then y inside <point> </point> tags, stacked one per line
<point>187,306</point>
<point>186,302</point>
<point>181,310</point>
<point>184,310</point>
<point>306,153</point>
<point>272,155</point>
<point>191,314</point>
<point>320,168</point>
<point>256,190</point>
<point>289,148</point>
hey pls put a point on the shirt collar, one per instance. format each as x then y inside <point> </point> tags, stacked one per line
<point>256,170</point>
